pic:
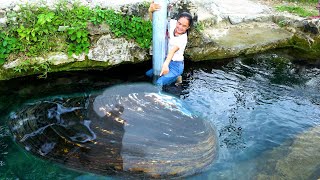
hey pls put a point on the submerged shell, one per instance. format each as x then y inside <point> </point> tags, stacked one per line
<point>128,128</point>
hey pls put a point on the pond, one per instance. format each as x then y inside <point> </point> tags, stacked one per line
<point>265,108</point>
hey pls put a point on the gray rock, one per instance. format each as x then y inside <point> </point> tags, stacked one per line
<point>3,22</point>
<point>233,40</point>
<point>236,19</point>
<point>16,8</point>
<point>12,64</point>
<point>116,50</point>
<point>234,11</point>
<point>292,165</point>
<point>98,29</point>
<point>312,26</point>
<point>2,13</point>
<point>7,4</point>
<point>63,28</point>
<point>59,58</point>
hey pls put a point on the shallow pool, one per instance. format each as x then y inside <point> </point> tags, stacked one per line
<point>265,108</point>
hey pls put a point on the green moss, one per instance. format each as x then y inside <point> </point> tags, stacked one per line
<point>81,65</point>
<point>6,74</point>
<point>304,48</point>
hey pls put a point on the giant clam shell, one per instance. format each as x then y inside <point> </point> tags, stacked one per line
<point>133,129</point>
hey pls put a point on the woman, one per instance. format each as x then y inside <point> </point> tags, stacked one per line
<point>173,65</point>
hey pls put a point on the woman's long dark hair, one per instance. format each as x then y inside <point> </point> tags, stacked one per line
<point>188,16</point>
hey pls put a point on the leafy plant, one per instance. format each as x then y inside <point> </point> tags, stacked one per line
<point>282,23</point>
<point>7,46</point>
<point>78,38</point>
<point>29,65</point>
<point>44,68</point>
<point>45,18</point>
<point>132,27</point>
<point>99,16</point>
<point>34,31</point>
<point>23,66</point>
<point>199,26</point>
<point>37,30</point>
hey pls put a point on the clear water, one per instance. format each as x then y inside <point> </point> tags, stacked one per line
<point>259,106</point>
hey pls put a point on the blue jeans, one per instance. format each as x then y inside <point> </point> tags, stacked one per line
<point>175,70</point>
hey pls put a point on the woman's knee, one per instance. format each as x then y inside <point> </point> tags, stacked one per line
<point>163,80</point>
<point>149,73</point>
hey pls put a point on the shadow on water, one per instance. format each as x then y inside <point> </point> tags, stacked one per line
<point>265,108</point>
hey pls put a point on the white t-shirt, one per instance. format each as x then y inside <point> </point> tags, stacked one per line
<point>180,41</point>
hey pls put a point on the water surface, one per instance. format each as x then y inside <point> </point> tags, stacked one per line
<point>259,106</point>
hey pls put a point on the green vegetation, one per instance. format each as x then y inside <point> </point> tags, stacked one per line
<point>35,31</point>
<point>7,46</point>
<point>132,27</point>
<point>303,1</point>
<point>297,10</point>
<point>36,67</point>
<point>304,8</point>
<point>305,49</point>
<point>282,23</point>
<point>199,26</point>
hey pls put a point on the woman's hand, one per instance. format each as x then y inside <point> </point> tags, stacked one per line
<point>165,66</point>
<point>165,69</point>
<point>154,7</point>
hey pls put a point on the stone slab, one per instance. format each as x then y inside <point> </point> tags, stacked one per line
<point>247,35</point>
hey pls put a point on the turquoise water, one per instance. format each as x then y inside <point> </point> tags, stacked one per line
<point>259,106</point>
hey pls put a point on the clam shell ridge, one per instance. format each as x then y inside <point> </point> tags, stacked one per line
<point>133,129</point>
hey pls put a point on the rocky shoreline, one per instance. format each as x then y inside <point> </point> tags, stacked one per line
<point>224,29</point>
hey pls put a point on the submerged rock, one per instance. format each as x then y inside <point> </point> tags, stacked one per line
<point>295,160</point>
<point>132,129</point>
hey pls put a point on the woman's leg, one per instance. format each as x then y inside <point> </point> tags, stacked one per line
<point>149,73</point>
<point>175,70</point>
